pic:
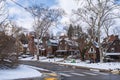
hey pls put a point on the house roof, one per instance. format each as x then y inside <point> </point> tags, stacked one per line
<point>70,42</point>
<point>52,42</point>
<point>112,38</point>
<point>95,44</point>
<point>110,44</point>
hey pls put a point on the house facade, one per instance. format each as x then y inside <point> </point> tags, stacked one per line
<point>67,47</point>
<point>93,53</point>
<point>112,47</point>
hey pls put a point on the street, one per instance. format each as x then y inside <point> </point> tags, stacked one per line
<point>71,73</point>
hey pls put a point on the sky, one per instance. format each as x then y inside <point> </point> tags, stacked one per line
<point>20,15</point>
<point>24,19</point>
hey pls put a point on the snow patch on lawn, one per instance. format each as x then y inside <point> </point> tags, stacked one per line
<point>42,59</point>
<point>23,71</point>
<point>105,66</point>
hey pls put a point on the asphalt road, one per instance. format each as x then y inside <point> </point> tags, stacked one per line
<point>71,73</point>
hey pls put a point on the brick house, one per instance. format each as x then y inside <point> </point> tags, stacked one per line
<point>52,45</point>
<point>92,52</point>
<point>62,48</point>
<point>66,47</point>
<point>112,47</point>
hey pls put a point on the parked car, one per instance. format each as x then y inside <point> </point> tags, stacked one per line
<point>50,56</point>
<point>108,59</point>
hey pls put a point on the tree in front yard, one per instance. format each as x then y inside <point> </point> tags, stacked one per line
<point>96,14</point>
<point>8,50</point>
<point>10,46</point>
<point>44,17</point>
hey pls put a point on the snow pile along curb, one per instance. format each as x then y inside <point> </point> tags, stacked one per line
<point>102,67</point>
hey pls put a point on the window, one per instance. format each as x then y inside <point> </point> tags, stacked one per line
<point>112,49</point>
<point>114,44</point>
<point>91,49</point>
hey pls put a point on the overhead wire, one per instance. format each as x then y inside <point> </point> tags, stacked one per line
<point>20,5</point>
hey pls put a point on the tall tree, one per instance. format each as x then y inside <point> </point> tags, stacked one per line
<point>70,31</point>
<point>82,42</point>
<point>44,17</point>
<point>95,13</point>
<point>107,25</point>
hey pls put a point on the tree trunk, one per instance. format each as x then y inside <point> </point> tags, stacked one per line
<point>38,48</point>
<point>100,47</point>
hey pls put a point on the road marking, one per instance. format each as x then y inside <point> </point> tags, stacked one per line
<point>37,68</point>
<point>93,74</point>
<point>101,73</point>
<point>66,75</point>
<point>78,74</point>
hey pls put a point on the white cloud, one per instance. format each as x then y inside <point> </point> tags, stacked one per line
<point>68,6</point>
<point>20,15</point>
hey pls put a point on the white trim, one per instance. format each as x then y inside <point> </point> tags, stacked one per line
<point>112,54</point>
<point>90,51</point>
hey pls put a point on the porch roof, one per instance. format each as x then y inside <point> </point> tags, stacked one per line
<point>112,53</point>
<point>61,51</point>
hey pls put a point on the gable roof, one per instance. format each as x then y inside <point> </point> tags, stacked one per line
<point>94,45</point>
<point>109,46</point>
<point>109,41</point>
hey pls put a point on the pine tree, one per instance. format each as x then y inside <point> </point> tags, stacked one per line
<point>70,31</point>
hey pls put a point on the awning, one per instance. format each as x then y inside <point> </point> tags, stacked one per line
<point>112,54</point>
<point>61,51</point>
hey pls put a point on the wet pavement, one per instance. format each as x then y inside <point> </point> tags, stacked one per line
<point>71,73</point>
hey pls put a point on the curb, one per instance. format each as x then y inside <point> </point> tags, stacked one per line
<point>86,68</point>
<point>81,67</point>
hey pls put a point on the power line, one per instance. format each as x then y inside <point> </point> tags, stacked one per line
<point>20,5</point>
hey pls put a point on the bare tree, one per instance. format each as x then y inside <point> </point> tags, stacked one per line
<point>107,25</point>
<point>95,13</point>
<point>10,45</point>
<point>82,42</point>
<point>44,17</point>
<point>3,11</point>
<point>116,31</point>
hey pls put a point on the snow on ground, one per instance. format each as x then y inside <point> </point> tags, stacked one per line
<point>105,66</point>
<point>23,71</point>
<point>37,68</point>
<point>42,59</point>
